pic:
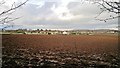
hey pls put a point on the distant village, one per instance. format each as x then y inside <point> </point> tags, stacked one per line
<point>60,32</point>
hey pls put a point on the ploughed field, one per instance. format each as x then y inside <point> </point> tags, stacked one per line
<point>60,51</point>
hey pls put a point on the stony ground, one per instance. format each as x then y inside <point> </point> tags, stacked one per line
<point>60,51</point>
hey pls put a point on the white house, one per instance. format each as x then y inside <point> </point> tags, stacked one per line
<point>65,33</point>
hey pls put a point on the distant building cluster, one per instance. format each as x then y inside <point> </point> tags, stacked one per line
<point>60,32</point>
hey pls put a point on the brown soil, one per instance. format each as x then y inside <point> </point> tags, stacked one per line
<point>60,51</point>
<point>71,43</point>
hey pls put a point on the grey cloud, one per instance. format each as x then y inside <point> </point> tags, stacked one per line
<point>31,12</point>
<point>32,15</point>
<point>77,8</point>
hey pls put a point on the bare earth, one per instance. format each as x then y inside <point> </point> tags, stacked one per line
<point>75,51</point>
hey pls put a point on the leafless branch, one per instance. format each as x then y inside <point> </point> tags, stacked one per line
<point>8,20</point>
<point>106,19</point>
<point>5,15</point>
<point>4,12</point>
<point>109,6</point>
<point>99,13</point>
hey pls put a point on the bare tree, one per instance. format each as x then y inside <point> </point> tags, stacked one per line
<point>112,6</point>
<point>5,14</point>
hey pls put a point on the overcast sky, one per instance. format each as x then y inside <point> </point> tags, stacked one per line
<point>59,14</point>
